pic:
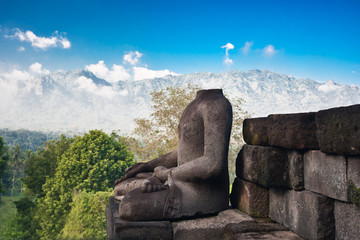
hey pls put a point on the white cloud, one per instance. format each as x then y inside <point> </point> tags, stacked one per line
<point>16,75</point>
<point>141,73</point>
<point>65,42</point>
<point>228,47</point>
<point>100,70</point>
<point>269,50</point>
<point>132,57</point>
<point>41,42</point>
<point>16,79</point>
<point>123,73</point>
<point>228,61</point>
<point>88,85</point>
<point>247,46</point>
<point>21,49</point>
<point>354,72</point>
<point>37,69</point>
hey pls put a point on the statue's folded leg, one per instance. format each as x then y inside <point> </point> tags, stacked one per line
<point>122,188</point>
<point>139,206</point>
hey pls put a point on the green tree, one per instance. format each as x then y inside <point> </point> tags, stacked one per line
<point>87,219</point>
<point>22,226</point>
<point>42,165</point>
<point>91,164</point>
<point>3,162</point>
<point>15,169</point>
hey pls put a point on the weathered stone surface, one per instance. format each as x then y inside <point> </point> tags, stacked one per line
<point>250,198</point>
<point>143,230</point>
<point>308,214</point>
<point>112,212</point>
<point>326,174</point>
<point>255,131</point>
<point>266,166</point>
<point>251,230</point>
<point>347,219</point>
<point>275,235</point>
<point>292,131</point>
<point>338,130</point>
<point>208,228</point>
<point>296,169</point>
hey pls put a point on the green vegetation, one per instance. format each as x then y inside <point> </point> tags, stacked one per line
<point>42,165</point>
<point>27,140</point>
<point>61,178</point>
<point>92,163</point>
<point>8,212</point>
<point>3,163</point>
<point>354,194</point>
<point>87,219</point>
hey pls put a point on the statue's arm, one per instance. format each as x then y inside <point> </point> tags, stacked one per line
<point>217,119</point>
<point>168,160</point>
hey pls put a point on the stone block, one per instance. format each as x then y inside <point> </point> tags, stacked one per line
<point>266,166</point>
<point>255,131</point>
<point>143,230</point>
<point>250,198</point>
<point>326,174</point>
<point>338,130</point>
<point>296,169</point>
<point>208,228</point>
<point>112,212</point>
<point>306,213</point>
<point>292,131</point>
<point>251,230</point>
<point>347,219</point>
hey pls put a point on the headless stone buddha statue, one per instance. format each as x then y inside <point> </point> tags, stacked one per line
<point>190,181</point>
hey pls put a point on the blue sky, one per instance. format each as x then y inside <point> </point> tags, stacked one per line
<point>307,39</point>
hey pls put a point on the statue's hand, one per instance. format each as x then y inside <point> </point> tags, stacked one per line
<point>152,184</point>
<point>132,171</point>
<point>161,173</point>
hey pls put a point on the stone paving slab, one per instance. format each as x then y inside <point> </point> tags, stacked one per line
<point>208,228</point>
<point>251,230</point>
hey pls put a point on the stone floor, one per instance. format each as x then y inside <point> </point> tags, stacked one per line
<point>228,224</point>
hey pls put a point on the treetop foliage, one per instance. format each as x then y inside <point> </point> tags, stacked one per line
<point>92,163</point>
<point>42,165</point>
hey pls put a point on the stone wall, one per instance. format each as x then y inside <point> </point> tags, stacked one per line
<point>303,171</point>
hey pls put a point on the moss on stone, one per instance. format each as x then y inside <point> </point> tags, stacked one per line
<point>354,194</point>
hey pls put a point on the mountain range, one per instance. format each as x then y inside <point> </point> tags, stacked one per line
<point>76,101</point>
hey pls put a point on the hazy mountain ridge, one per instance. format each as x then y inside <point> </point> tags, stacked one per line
<point>78,101</point>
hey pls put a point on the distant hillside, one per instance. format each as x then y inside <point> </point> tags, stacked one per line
<point>27,140</point>
<point>78,101</point>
